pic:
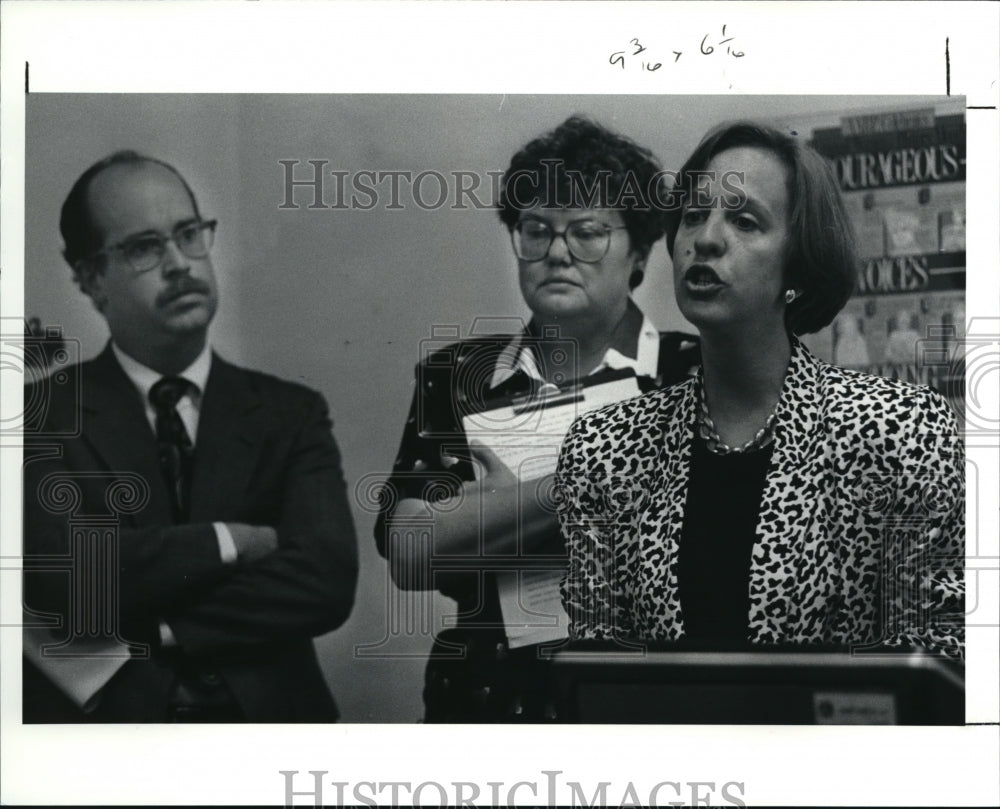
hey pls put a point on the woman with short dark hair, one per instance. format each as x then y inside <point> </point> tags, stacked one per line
<point>773,498</point>
<point>581,164</point>
<point>580,206</point>
<point>821,263</point>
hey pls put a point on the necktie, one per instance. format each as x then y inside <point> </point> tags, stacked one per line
<point>173,442</point>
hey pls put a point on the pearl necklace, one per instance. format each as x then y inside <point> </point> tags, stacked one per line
<point>706,429</point>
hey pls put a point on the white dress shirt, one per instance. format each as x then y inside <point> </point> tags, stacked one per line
<point>188,408</point>
<point>517,356</point>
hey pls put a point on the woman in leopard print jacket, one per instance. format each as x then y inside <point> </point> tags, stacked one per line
<point>773,498</point>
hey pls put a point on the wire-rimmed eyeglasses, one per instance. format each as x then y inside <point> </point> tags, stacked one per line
<point>586,241</point>
<point>145,251</point>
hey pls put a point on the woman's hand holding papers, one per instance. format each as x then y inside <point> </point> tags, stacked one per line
<point>495,515</point>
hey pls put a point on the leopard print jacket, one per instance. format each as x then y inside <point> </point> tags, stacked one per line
<point>860,539</point>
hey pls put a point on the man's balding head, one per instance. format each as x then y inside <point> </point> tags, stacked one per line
<point>139,249</point>
<point>80,237</point>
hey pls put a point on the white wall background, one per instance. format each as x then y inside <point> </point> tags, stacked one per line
<point>341,300</point>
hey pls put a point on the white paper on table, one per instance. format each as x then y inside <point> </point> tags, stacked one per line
<point>527,437</point>
<point>532,612</point>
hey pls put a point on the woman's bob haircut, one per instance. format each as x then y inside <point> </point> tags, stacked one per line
<point>821,258</point>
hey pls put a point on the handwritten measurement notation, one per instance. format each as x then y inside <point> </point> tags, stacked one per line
<point>628,57</point>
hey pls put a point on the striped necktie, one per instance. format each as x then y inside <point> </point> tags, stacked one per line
<point>173,442</point>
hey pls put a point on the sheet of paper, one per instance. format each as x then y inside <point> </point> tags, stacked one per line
<point>527,437</point>
<point>81,676</point>
<point>532,606</point>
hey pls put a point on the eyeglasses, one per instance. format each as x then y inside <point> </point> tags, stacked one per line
<point>586,241</point>
<point>145,252</point>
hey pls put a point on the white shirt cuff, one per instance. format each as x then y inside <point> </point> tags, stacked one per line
<point>227,548</point>
<point>167,639</point>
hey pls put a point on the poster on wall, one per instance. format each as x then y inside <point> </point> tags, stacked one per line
<point>902,174</point>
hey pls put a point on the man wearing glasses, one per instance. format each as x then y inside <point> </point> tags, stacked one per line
<point>201,507</point>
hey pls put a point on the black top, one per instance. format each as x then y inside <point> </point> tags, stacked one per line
<point>720,522</point>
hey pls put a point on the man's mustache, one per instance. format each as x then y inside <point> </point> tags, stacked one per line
<point>182,287</point>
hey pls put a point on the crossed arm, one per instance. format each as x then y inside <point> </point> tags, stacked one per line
<point>296,567</point>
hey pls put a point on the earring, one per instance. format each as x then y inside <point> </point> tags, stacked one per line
<point>790,295</point>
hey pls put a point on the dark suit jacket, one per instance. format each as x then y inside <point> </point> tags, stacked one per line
<point>264,455</point>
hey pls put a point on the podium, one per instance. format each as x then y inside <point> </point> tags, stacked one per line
<point>603,683</point>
